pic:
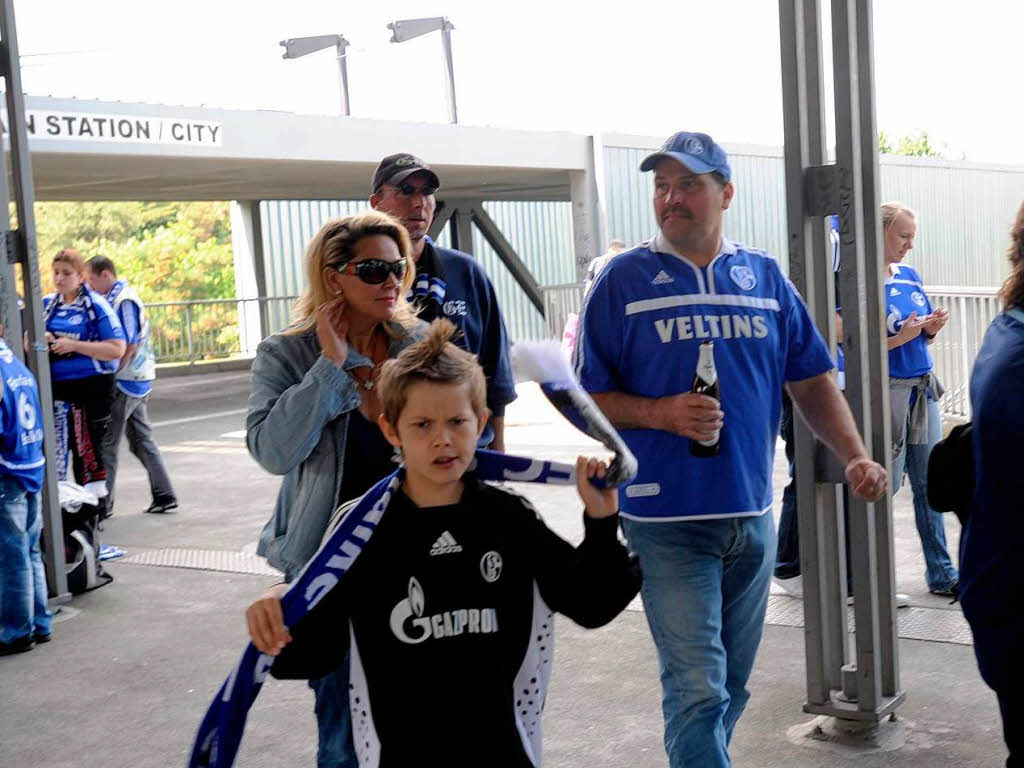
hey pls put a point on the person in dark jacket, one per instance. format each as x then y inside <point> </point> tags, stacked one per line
<point>449,283</point>
<point>992,544</point>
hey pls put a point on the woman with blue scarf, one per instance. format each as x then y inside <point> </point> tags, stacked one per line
<point>86,342</point>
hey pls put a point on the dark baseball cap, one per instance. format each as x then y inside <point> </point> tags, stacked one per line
<point>697,151</point>
<point>394,169</point>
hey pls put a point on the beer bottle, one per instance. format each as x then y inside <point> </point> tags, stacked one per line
<point>705,382</point>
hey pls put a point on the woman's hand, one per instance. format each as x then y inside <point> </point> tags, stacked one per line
<point>936,321</point>
<point>64,346</point>
<point>909,331</point>
<point>332,328</point>
<point>266,621</point>
<point>599,502</point>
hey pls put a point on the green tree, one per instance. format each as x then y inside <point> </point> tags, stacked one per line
<point>914,145</point>
<point>169,252</point>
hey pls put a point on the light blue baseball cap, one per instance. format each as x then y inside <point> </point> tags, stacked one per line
<point>697,151</point>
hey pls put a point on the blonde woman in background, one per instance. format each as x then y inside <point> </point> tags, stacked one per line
<point>914,391</point>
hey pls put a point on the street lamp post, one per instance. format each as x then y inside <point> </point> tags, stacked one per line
<point>300,46</point>
<point>410,28</point>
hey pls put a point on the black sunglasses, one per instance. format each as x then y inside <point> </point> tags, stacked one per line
<point>408,190</point>
<point>374,271</point>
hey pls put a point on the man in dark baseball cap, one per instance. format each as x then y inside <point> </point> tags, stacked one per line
<point>394,169</point>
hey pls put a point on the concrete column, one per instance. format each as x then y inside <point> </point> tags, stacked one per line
<point>250,281</point>
<point>588,223</point>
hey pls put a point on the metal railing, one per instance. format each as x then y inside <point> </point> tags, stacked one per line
<point>971,310</point>
<point>212,329</point>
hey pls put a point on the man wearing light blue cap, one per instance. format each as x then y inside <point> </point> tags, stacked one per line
<point>701,525</point>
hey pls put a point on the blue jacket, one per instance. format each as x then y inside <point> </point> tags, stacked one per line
<point>470,303</point>
<point>296,427</point>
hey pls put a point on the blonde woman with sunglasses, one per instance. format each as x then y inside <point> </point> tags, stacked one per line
<point>313,407</point>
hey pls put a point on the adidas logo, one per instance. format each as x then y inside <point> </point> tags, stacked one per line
<point>662,278</point>
<point>894,292</point>
<point>445,545</point>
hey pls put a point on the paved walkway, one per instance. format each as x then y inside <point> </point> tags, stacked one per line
<point>134,664</point>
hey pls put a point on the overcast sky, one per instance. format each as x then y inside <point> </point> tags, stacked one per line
<point>639,67</point>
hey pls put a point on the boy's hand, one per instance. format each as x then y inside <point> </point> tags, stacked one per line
<point>266,622</point>
<point>598,502</point>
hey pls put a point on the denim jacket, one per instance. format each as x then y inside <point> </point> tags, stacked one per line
<point>296,427</point>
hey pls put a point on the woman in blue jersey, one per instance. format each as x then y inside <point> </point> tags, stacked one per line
<point>912,323</point>
<point>86,342</point>
<point>993,539</point>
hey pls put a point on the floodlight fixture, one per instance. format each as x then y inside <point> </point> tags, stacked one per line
<point>411,28</point>
<point>295,47</point>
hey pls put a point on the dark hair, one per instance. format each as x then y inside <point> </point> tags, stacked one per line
<point>100,264</point>
<point>1012,292</point>
<point>720,178</point>
<point>435,358</point>
<point>72,257</point>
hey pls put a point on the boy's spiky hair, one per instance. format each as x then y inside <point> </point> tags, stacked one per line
<point>434,358</point>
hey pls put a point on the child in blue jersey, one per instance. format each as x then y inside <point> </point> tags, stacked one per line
<point>24,617</point>
<point>914,391</point>
<point>86,343</point>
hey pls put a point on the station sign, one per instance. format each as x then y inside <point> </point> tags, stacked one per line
<point>48,124</point>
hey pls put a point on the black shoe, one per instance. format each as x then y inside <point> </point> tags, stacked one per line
<point>40,638</point>
<point>160,506</point>
<point>20,645</point>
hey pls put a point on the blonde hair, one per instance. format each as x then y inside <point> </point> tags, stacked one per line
<point>434,358</point>
<point>893,209</point>
<point>71,257</point>
<point>334,245</point>
<point>1012,292</point>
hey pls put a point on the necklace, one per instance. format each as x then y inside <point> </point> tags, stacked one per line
<point>369,381</point>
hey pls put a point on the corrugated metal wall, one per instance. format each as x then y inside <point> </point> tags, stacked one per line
<point>964,211</point>
<point>541,233</point>
<point>964,215</point>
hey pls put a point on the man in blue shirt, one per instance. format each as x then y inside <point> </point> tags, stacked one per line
<point>700,525</point>
<point>133,382</point>
<point>25,618</point>
<point>449,283</point>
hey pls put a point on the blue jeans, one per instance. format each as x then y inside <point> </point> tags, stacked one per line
<point>939,571</point>
<point>705,591</point>
<point>23,609</point>
<point>334,720</point>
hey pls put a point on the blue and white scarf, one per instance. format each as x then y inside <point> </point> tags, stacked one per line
<point>220,733</point>
<point>427,288</point>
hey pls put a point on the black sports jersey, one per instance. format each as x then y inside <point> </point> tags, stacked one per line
<point>448,616</point>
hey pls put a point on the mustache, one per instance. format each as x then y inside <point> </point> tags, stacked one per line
<point>676,212</point>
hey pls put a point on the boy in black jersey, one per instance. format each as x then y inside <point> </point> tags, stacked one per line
<point>447,612</point>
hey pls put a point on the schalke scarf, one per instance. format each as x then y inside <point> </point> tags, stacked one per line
<point>220,732</point>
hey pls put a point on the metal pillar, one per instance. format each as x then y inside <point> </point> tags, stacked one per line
<point>814,190</point>
<point>22,241</point>
<point>341,45</point>
<point>461,215</point>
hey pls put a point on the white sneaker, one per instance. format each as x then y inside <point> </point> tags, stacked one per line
<point>794,586</point>
<point>902,600</point>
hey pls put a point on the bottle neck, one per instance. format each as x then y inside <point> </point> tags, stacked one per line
<point>706,364</point>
